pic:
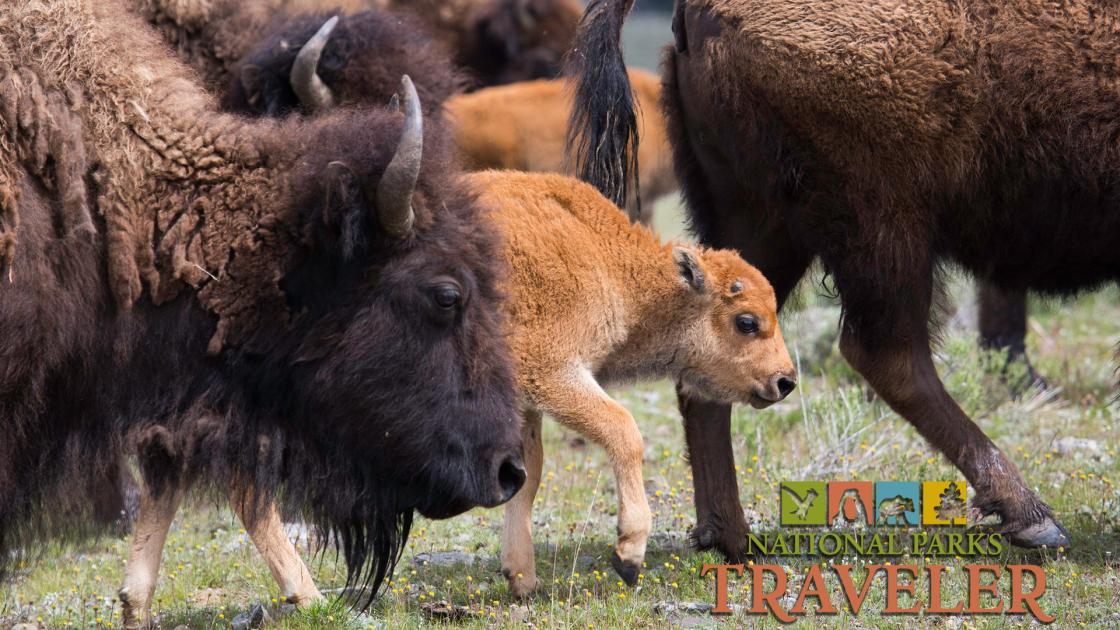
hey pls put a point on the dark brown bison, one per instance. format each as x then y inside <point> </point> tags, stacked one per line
<point>492,41</point>
<point>299,309</point>
<point>500,41</point>
<point>886,142</point>
<point>309,62</point>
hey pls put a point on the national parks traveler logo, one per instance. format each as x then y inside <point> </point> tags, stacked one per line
<point>864,503</point>
<point>903,530</point>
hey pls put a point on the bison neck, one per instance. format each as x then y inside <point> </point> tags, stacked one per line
<point>654,328</point>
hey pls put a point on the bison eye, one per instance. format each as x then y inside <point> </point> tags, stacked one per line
<point>746,324</point>
<point>447,296</point>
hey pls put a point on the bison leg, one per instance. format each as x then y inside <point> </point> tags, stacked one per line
<point>518,562</point>
<point>900,368</point>
<point>156,513</point>
<point>266,530</point>
<point>1003,326</point>
<point>577,401</point>
<point>719,514</point>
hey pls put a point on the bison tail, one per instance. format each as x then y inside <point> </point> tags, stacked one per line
<point>603,130</point>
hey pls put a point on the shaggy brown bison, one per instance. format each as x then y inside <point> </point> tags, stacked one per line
<point>303,309</point>
<point>886,141</point>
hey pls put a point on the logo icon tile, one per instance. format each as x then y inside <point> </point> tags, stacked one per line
<point>802,503</point>
<point>851,502</point>
<point>896,502</point>
<point>944,503</point>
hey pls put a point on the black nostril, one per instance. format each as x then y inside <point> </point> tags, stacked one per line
<point>511,476</point>
<point>786,385</point>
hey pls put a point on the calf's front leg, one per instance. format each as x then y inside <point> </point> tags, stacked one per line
<point>576,400</point>
<point>518,561</point>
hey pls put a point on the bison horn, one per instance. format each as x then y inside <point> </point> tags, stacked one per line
<point>312,92</point>
<point>394,192</point>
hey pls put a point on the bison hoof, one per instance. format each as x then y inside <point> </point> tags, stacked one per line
<point>1048,533</point>
<point>625,569</point>
<point>731,545</point>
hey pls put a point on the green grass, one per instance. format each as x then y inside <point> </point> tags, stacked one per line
<point>831,428</point>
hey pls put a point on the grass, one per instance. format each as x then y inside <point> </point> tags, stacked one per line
<point>831,428</point>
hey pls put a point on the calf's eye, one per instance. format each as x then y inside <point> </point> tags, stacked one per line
<point>746,324</point>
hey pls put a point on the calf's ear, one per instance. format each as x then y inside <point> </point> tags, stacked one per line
<point>690,268</point>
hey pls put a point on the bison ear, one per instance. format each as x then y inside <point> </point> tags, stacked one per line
<point>690,268</point>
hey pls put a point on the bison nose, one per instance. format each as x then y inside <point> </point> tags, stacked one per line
<point>783,384</point>
<point>511,476</point>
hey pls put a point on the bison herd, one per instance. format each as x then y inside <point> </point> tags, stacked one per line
<point>242,249</point>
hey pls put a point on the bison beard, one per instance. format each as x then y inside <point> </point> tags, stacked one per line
<point>226,300</point>
<point>981,135</point>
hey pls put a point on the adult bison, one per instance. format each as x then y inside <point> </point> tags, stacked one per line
<point>310,62</point>
<point>301,309</point>
<point>887,141</point>
<point>499,41</point>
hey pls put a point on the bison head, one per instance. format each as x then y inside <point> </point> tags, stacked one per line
<point>310,62</point>
<point>396,343</point>
<point>735,351</point>
<point>519,40</point>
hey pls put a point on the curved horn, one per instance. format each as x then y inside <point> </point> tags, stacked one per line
<point>394,192</point>
<point>312,92</point>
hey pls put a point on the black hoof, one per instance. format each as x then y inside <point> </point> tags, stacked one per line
<point>628,571</point>
<point>1048,533</point>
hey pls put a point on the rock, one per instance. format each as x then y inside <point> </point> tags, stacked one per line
<point>25,626</point>
<point>255,618</point>
<point>666,608</point>
<point>694,621</point>
<point>445,558</point>
<point>443,610</point>
<point>181,627</point>
<point>1070,445</point>
<point>518,614</point>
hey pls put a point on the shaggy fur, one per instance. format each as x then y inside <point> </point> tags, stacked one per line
<point>523,126</point>
<point>216,296</point>
<point>361,64</point>
<point>888,140</point>
<point>596,300</point>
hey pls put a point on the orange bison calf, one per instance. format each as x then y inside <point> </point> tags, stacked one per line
<point>596,300</point>
<point>523,127</point>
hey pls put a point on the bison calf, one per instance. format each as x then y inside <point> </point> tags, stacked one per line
<point>596,300</point>
<point>524,126</point>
